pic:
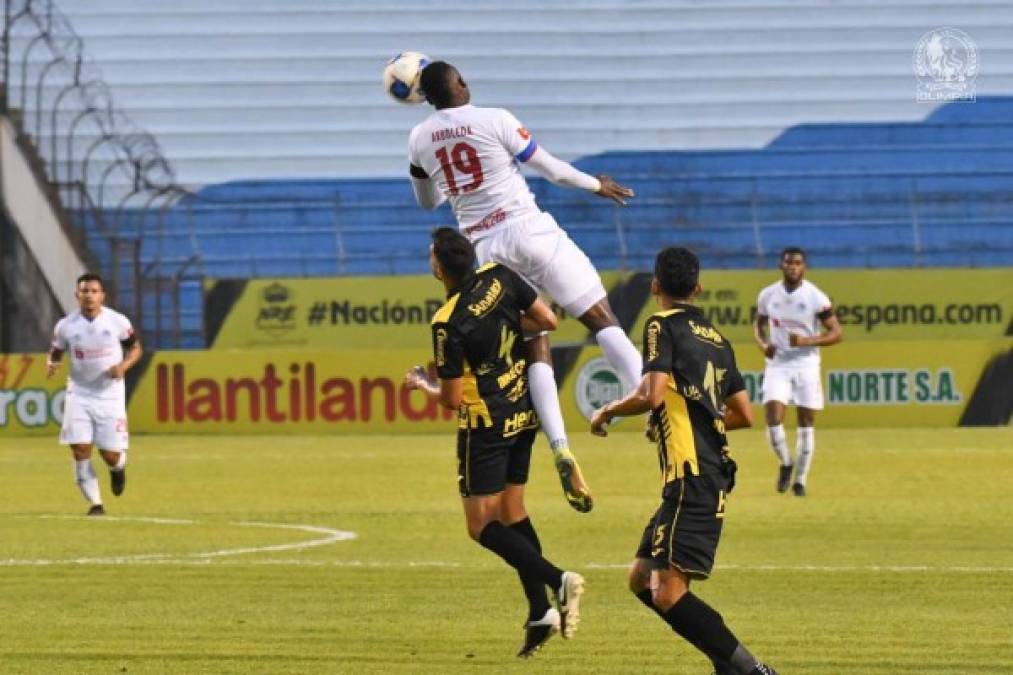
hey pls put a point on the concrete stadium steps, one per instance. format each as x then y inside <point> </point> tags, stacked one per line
<point>743,125</point>
<point>586,76</point>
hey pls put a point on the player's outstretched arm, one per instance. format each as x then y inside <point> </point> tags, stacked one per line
<point>613,190</point>
<point>646,397</point>
<point>561,173</point>
<point>447,392</point>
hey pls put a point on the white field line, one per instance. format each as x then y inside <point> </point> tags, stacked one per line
<point>221,557</point>
<point>330,536</point>
<point>974,569</point>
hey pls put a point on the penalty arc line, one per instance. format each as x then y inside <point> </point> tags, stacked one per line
<point>220,557</point>
<point>331,536</point>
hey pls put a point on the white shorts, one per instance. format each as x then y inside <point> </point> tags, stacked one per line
<point>541,252</point>
<point>102,422</point>
<point>793,386</point>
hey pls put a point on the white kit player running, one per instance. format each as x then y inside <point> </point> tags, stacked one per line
<point>471,156</point>
<point>790,314</point>
<point>102,347</point>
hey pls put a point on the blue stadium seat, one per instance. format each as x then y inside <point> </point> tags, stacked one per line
<point>856,195</point>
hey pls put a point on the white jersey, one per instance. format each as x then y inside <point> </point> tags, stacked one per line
<point>94,347</point>
<point>473,154</point>
<point>795,312</point>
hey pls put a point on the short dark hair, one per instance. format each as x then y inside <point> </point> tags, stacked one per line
<point>677,270</point>
<point>454,252</point>
<point>435,82</point>
<point>793,250</point>
<point>91,276</point>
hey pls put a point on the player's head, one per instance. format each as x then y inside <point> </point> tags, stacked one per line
<point>676,273</point>
<point>793,264</point>
<point>90,291</point>
<point>443,85</point>
<point>451,256</point>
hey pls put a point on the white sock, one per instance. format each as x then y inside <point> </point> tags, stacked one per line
<point>621,355</point>
<point>546,399</point>
<point>779,442</point>
<point>87,481</point>
<point>805,445</point>
<point>121,463</point>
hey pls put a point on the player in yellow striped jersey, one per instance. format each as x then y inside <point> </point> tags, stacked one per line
<point>483,374</point>
<point>694,391</point>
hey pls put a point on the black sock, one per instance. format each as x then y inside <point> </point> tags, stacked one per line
<point>644,596</point>
<point>516,550</point>
<point>534,589</point>
<point>703,627</point>
<point>527,530</point>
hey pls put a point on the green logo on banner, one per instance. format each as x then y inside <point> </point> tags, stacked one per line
<point>597,384</point>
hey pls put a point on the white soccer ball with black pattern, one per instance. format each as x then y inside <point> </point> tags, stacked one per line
<point>401,77</point>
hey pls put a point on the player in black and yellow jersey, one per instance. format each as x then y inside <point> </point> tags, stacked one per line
<point>694,392</point>
<point>482,368</point>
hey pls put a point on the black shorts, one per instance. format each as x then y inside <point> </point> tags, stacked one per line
<point>684,531</point>
<point>486,461</point>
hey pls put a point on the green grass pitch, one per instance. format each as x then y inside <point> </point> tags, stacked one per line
<point>899,561</point>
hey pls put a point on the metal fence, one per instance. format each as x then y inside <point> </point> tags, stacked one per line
<point>99,167</point>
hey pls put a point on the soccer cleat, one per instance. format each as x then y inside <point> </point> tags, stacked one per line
<point>574,488</point>
<point>568,601</point>
<point>96,510</point>
<point>784,478</point>
<point>537,633</point>
<point>118,480</point>
<point>798,489</point>
<point>762,669</point>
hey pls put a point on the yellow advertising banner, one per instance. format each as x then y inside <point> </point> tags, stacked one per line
<point>936,304</point>
<point>886,384</point>
<point>284,392</point>
<point>29,402</point>
<point>337,313</point>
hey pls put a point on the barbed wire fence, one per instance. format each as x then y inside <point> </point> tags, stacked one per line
<point>107,178</point>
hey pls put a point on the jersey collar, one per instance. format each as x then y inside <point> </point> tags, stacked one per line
<point>466,281</point>
<point>91,319</point>
<point>797,288</point>
<point>686,307</point>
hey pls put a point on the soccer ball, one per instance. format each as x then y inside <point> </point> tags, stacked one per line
<point>401,77</point>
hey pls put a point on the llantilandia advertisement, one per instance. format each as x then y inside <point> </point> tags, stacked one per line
<point>897,384</point>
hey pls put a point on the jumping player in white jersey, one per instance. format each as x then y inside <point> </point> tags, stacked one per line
<point>471,156</point>
<point>789,317</point>
<point>103,347</point>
